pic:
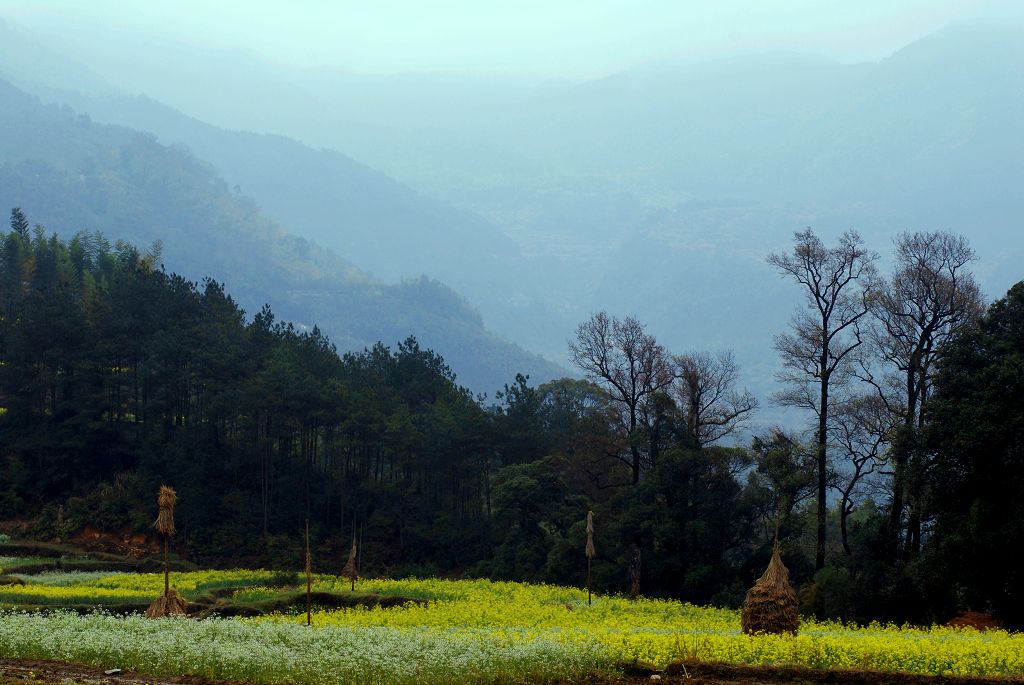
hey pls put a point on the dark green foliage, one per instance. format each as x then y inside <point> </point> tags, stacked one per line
<point>699,518</point>
<point>977,453</point>
<point>972,473</point>
<point>535,515</point>
<point>115,375</point>
<point>784,474</point>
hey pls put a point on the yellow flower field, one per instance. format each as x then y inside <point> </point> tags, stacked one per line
<point>660,631</point>
<point>464,631</point>
<point>72,594</point>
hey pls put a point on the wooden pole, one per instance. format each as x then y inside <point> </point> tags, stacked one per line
<point>309,579</point>
<point>590,551</point>
<point>167,571</point>
<point>588,581</point>
<point>359,556</point>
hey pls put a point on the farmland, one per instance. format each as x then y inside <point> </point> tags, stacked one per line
<point>439,631</point>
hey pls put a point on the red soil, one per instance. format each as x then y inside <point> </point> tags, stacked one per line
<point>974,619</point>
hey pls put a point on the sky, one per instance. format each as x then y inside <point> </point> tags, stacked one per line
<point>567,38</point>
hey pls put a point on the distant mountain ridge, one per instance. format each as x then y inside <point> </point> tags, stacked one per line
<point>379,224</point>
<point>658,191</point>
<point>69,173</point>
<point>340,203</point>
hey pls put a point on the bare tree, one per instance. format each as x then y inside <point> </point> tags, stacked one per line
<point>837,285</point>
<point>705,391</point>
<point>930,295</point>
<point>861,427</point>
<point>630,366</point>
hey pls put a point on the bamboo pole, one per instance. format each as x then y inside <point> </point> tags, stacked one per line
<point>590,551</point>
<point>309,579</point>
<point>167,570</point>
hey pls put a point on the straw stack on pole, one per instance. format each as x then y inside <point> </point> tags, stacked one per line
<point>166,500</point>
<point>590,550</point>
<point>351,570</point>
<point>771,605</point>
<point>170,603</point>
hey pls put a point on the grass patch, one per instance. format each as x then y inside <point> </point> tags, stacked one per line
<point>62,578</point>
<point>9,565</point>
<point>48,550</point>
<point>37,566</point>
<point>294,601</point>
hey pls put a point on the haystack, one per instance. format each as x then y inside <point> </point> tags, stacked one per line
<point>169,604</point>
<point>165,519</point>
<point>771,605</point>
<point>590,535</point>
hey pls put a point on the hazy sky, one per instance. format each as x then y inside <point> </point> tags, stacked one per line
<point>577,38</point>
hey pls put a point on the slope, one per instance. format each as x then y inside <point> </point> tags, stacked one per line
<point>70,173</point>
<point>376,222</point>
<point>659,191</point>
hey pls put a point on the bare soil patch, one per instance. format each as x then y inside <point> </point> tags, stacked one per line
<point>42,672</point>
<point>729,674</point>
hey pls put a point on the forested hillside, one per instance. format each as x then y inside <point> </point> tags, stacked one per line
<point>772,275</point>
<point>70,174</point>
<point>116,376</point>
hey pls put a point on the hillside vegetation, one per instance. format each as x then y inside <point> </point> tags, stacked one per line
<point>117,376</point>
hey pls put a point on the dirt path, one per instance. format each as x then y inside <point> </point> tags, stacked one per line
<point>20,671</point>
<point>39,672</point>
<point>729,674</point>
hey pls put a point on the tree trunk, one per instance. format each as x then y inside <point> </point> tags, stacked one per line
<point>913,533</point>
<point>844,515</point>
<point>896,512</point>
<point>819,551</point>
<point>634,450</point>
<point>916,504</point>
<point>902,460</point>
<point>634,570</point>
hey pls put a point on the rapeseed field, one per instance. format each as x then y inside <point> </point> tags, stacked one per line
<point>454,631</point>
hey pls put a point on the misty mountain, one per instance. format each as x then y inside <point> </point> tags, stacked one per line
<point>69,173</point>
<point>770,128</point>
<point>377,223</point>
<point>658,191</point>
<point>344,205</point>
